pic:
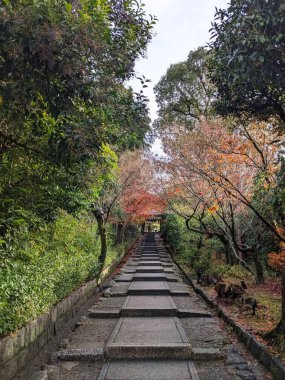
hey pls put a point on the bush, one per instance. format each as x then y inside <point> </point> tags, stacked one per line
<point>46,267</point>
<point>185,244</point>
<point>230,272</point>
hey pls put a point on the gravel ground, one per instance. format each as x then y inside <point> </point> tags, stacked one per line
<point>74,371</point>
<point>110,303</point>
<point>92,332</point>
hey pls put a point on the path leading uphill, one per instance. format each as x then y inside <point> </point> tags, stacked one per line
<point>149,325</point>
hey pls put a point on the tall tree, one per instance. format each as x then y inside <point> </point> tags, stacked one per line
<point>248,58</point>
<point>184,93</point>
<point>62,97</point>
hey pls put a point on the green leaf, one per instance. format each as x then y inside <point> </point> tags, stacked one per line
<point>68,7</point>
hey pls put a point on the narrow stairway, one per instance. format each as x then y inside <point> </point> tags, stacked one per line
<point>148,325</point>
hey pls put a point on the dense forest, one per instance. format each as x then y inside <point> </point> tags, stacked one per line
<point>78,181</point>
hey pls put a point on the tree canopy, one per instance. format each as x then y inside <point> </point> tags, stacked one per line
<point>62,99</point>
<point>248,58</point>
<point>184,93</point>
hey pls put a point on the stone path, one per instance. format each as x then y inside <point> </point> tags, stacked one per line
<point>149,325</point>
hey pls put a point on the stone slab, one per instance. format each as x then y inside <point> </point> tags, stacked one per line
<point>75,354</point>
<point>149,370</point>
<point>206,354</point>
<point>148,331</point>
<point>153,269</point>
<point>149,288</point>
<point>150,263</point>
<point>146,277</point>
<point>153,253</point>
<point>149,306</point>
<point>155,258</point>
<point>116,351</point>
<point>154,277</point>
<point>149,302</point>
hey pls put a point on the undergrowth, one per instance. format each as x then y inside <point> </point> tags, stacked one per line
<point>41,268</point>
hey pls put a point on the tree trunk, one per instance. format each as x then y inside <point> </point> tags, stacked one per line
<point>278,333</point>
<point>259,277</point>
<point>123,233</point>
<point>102,233</point>
<point>119,234</point>
<point>283,298</point>
<point>229,256</point>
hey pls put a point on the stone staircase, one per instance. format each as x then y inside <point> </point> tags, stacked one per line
<point>148,325</point>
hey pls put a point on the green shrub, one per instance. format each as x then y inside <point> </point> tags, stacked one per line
<point>229,272</point>
<point>46,267</point>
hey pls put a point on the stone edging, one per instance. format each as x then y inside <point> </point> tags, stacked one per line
<point>258,350</point>
<point>20,347</point>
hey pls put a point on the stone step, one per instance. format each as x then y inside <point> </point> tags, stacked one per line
<point>149,370</point>
<point>149,288</point>
<point>82,354</point>
<point>152,258</point>
<point>154,277</point>
<point>144,338</point>
<point>117,351</point>
<point>151,255</point>
<point>149,306</point>
<point>154,269</point>
<point>134,313</point>
<point>146,277</point>
<point>155,252</point>
<point>150,263</point>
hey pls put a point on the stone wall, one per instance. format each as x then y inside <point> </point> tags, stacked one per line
<point>23,345</point>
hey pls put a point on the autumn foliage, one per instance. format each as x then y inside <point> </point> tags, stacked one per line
<point>140,198</point>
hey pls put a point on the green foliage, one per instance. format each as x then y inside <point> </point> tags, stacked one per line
<point>65,116</point>
<point>230,272</point>
<point>192,250</point>
<point>248,58</point>
<point>47,265</point>
<point>184,93</point>
<point>62,100</point>
<point>171,231</point>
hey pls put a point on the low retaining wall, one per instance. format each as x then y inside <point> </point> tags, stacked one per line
<point>20,347</point>
<point>258,350</point>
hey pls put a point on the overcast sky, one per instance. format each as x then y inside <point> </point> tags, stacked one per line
<point>182,25</point>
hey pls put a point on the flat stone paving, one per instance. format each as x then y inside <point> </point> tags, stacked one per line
<point>148,331</point>
<point>151,329</point>
<point>149,288</point>
<point>152,370</point>
<point>149,302</point>
<point>154,269</point>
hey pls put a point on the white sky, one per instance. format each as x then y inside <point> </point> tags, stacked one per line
<point>182,25</point>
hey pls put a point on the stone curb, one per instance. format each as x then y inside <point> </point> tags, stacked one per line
<point>20,347</point>
<point>258,350</point>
